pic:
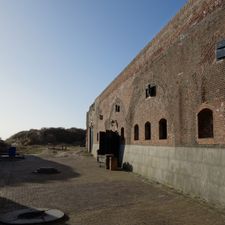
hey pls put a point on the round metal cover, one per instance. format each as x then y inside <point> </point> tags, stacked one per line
<point>32,216</point>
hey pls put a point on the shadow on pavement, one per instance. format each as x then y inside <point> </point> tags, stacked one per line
<point>8,206</point>
<point>15,172</point>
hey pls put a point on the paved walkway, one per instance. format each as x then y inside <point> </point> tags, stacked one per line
<point>90,195</point>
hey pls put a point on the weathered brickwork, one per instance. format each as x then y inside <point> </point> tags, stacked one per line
<point>181,62</point>
<point>186,149</point>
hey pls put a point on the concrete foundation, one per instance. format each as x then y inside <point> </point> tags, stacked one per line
<point>196,171</point>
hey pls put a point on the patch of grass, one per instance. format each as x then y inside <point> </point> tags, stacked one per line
<point>84,152</point>
<point>31,149</point>
<point>38,149</point>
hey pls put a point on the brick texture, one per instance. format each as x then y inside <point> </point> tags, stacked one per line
<point>181,62</point>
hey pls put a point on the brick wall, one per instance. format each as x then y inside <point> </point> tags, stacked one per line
<point>181,62</point>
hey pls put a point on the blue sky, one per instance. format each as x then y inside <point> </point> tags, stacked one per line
<point>57,56</point>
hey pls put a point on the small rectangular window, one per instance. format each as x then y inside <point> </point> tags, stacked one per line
<point>220,50</point>
<point>153,91</point>
<point>117,108</point>
<point>150,91</point>
<point>101,117</point>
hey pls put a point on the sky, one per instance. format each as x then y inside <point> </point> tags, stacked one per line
<point>57,56</point>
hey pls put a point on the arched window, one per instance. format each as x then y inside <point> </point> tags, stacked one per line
<point>136,132</point>
<point>163,129</point>
<point>147,131</point>
<point>205,123</point>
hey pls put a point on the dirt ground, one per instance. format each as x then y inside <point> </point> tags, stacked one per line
<point>90,195</point>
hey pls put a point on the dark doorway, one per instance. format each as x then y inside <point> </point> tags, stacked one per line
<point>109,143</point>
<point>122,138</point>
<point>90,139</point>
<point>122,147</point>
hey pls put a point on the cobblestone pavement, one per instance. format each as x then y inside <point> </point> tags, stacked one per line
<point>90,195</point>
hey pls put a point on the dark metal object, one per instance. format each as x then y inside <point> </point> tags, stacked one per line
<point>46,170</point>
<point>221,44</point>
<point>220,53</point>
<point>32,216</point>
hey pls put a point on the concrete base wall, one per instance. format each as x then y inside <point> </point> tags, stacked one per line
<point>196,171</point>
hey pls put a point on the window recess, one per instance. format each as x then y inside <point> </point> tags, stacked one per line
<point>150,91</point>
<point>117,108</point>
<point>220,50</point>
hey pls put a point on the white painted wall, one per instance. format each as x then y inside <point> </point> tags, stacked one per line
<point>94,150</point>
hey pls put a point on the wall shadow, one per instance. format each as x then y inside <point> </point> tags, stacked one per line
<point>8,206</point>
<point>121,154</point>
<point>15,172</point>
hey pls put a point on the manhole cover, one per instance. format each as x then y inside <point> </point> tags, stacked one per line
<point>32,216</point>
<point>46,170</point>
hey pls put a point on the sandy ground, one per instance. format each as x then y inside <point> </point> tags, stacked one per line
<point>91,195</point>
